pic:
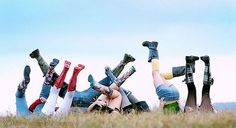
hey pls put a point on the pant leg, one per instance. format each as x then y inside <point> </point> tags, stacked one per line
<point>21,105</point>
<point>105,81</point>
<point>85,98</point>
<point>45,91</point>
<point>38,108</point>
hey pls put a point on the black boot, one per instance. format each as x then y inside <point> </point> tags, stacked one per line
<point>190,61</point>
<point>178,71</point>
<point>152,46</point>
<point>41,62</point>
<point>34,54</point>
<point>207,74</point>
<point>127,58</point>
<point>181,70</point>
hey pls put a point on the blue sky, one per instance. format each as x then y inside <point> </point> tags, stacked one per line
<point>48,24</point>
<point>101,31</point>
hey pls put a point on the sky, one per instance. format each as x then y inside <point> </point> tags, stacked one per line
<point>98,33</point>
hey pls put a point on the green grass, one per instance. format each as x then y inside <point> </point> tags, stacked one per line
<point>143,120</point>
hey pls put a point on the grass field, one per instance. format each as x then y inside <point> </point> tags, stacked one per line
<point>143,120</point>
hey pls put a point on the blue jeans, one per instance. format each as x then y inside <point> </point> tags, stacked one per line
<point>86,97</point>
<point>21,103</point>
<point>169,93</point>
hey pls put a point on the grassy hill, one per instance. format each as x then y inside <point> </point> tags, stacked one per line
<point>153,119</point>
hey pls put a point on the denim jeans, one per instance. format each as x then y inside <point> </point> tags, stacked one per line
<point>86,97</point>
<point>45,91</point>
<point>169,93</point>
<point>21,103</point>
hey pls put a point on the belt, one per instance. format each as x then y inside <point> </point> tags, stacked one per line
<point>170,102</point>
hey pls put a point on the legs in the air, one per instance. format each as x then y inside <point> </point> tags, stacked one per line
<point>111,94</point>
<point>206,105</point>
<point>21,103</point>
<point>66,103</point>
<point>191,103</point>
<point>164,89</point>
<point>87,96</point>
<point>50,104</point>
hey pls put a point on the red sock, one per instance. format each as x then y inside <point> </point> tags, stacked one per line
<point>73,80</point>
<point>34,104</point>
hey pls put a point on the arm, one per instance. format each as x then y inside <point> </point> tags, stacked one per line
<point>98,102</point>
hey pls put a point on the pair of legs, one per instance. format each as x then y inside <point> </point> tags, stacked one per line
<point>21,104</point>
<point>49,107</point>
<point>191,103</point>
<point>167,92</point>
<point>86,97</point>
<point>111,97</point>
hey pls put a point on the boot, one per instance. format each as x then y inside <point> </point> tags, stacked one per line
<point>27,71</point>
<point>121,80</point>
<point>58,83</point>
<point>73,80</point>
<point>152,46</point>
<point>23,85</point>
<point>34,54</point>
<point>49,76</point>
<point>127,58</point>
<point>190,60</point>
<point>41,62</point>
<point>93,84</point>
<point>142,106</point>
<point>207,74</point>
<point>119,68</point>
<point>178,71</point>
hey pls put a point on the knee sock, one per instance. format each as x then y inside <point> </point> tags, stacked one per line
<point>155,65</point>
